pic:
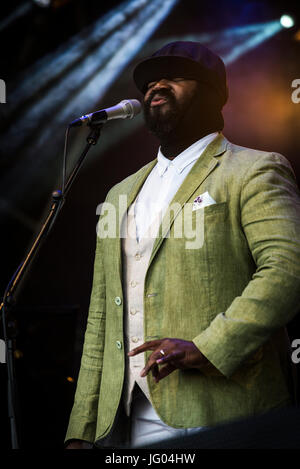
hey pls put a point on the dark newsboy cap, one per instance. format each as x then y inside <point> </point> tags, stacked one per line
<point>183,59</point>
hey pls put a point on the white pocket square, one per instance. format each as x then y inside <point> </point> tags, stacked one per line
<point>203,200</point>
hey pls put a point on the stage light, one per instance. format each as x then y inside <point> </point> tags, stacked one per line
<point>51,3</point>
<point>20,11</point>
<point>78,74</point>
<point>43,3</point>
<point>297,35</point>
<point>287,21</point>
<point>264,32</point>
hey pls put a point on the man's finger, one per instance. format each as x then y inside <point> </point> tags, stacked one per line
<point>155,372</point>
<point>170,357</point>
<point>150,345</point>
<point>150,363</point>
<point>165,371</point>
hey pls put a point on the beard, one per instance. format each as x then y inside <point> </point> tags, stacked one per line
<point>185,119</point>
<point>163,123</point>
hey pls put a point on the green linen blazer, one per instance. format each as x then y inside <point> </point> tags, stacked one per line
<point>232,296</point>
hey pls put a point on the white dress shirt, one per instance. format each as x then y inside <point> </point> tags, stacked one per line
<point>162,184</point>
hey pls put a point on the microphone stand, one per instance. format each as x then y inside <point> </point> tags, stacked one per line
<point>58,199</point>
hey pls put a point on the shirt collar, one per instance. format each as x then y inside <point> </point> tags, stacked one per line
<point>186,157</point>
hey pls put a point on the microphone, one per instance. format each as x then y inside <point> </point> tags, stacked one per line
<point>126,109</point>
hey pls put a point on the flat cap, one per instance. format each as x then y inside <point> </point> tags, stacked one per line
<point>183,59</point>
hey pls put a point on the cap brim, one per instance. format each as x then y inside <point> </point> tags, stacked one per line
<point>155,68</point>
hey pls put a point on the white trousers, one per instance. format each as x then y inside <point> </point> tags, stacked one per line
<point>147,427</point>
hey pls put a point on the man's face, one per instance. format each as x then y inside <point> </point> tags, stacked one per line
<point>166,102</point>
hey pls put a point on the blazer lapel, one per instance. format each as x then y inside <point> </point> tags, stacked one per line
<point>201,169</point>
<point>133,189</point>
<point>129,192</point>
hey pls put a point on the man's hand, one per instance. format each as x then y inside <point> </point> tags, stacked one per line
<point>174,353</point>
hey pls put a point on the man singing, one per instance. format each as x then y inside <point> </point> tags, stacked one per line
<point>181,337</point>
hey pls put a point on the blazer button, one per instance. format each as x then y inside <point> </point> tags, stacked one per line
<point>118,300</point>
<point>119,344</point>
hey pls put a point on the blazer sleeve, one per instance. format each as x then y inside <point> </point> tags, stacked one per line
<point>270,220</point>
<point>82,423</point>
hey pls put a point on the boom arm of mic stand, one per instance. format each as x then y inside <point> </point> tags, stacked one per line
<point>58,199</point>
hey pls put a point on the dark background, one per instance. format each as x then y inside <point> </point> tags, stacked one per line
<point>50,314</point>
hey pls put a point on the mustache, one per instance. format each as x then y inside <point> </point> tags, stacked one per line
<point>164,93</point>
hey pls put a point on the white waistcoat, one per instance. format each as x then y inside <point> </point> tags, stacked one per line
<point>135,257</point>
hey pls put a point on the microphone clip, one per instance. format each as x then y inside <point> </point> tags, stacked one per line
<point>95,132</point>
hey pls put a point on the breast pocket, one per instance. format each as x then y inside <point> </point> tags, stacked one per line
<point>201,223</point>
<point>216,226</point>
<point>214,210</point>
